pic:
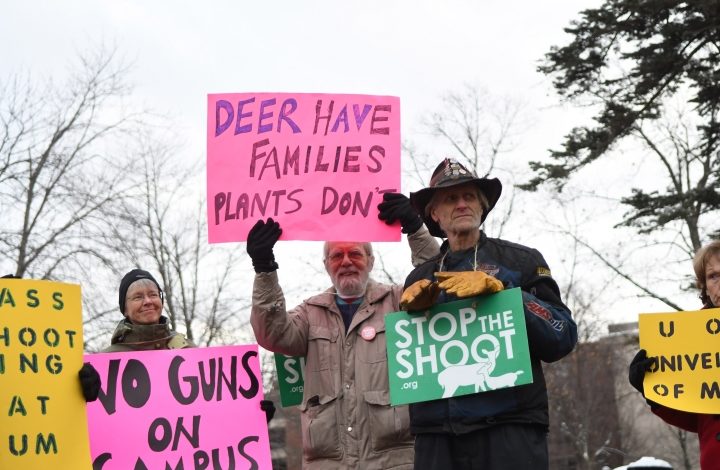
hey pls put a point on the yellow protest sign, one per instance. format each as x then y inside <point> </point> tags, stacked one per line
<point>42,411</point>
<point>686,373</point>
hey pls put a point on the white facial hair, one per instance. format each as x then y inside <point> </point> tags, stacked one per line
<point>351,288</point>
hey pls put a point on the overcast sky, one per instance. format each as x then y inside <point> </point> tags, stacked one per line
<point>182,51</point>
<point>417,50</point>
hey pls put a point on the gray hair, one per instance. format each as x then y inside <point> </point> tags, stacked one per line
<point>143,283</point>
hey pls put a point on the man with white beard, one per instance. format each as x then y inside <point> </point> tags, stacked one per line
<point>347,421</point>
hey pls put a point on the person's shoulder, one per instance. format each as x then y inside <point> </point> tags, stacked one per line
<point>378,289</point>
<point>517,248</point>
<point>179,341</point>
<point>422,271</point>
<point>322,299</point>
<point>508,244</point>
<point>116,347</point>
<point>118,335</point>
<point>381,293</point>
<point>518,255</point>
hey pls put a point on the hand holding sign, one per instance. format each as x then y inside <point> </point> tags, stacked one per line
<point>89,381</point>
<point>269,408</point>
<point>396,206</point>
<point>260,242</point>
<point>636,373</point>
<point>468,283</point>
<point>420,295</point>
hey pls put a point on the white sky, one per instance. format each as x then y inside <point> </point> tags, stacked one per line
<point>181,50</point>
<point>417,50</point>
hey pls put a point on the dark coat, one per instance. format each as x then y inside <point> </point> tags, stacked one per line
<point>552,334</point>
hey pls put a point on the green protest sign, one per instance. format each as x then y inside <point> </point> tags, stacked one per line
<point>458,348</point>
<point>290,379</point>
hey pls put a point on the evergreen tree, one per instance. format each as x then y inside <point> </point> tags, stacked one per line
<point>631,57</point>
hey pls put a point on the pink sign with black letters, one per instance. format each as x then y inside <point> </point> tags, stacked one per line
<point>179,408</point>
<point>317,163</point>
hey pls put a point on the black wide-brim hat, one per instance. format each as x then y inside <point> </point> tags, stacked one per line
<point>450,173</point>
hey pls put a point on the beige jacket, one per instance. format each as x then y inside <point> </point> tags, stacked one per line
<point>347,421</point>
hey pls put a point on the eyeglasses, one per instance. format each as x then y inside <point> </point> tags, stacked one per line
<point>141,297</point>
<point>338,256</point>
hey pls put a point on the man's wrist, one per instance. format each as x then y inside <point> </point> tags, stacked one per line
<point>412,226</point>
<point>265,266</point>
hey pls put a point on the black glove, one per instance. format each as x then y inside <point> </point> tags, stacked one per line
<point>269,408</point>
<point>89,381</point>
<point>639,365</point>
<point>396,206</point>
<point>260,242</point>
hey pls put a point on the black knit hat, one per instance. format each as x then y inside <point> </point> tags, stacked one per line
<point>450,173</point>
<point>129,278</point>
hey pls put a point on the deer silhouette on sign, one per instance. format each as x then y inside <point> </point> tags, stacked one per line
<point>477,375</point>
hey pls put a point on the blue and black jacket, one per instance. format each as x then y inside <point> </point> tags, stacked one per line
<point>552,334</point>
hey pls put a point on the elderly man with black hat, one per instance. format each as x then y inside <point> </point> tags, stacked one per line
<point>500,429</point>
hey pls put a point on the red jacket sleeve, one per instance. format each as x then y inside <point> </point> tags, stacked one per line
<point>680,419</point>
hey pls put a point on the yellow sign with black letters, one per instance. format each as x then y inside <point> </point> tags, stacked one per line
<point>685,373</point>
<point>42,412</point>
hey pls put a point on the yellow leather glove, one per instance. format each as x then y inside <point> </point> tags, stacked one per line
<point>419,295</point>
<point>468,283</point>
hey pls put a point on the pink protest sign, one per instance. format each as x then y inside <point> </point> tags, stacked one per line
<point>317,163</point>
<point>182,408</point>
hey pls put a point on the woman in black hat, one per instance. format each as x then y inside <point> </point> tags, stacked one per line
<point>143,327</point>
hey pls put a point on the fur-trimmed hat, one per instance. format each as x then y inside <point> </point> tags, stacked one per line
<point>450,173</point>
<point>129,278</point>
